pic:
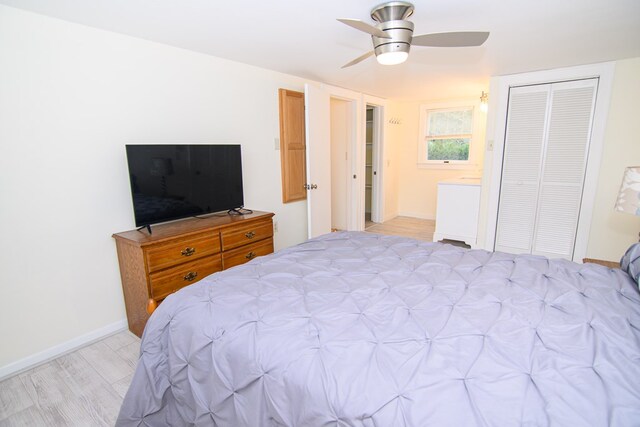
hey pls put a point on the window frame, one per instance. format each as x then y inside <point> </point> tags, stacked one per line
<point>425,110</point>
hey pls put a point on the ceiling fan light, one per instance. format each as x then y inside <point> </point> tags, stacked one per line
<point>392,58</point>
<point>395,52</point>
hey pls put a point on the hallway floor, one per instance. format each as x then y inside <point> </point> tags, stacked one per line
<point>421,229</point>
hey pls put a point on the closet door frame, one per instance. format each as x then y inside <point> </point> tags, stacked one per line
<point>496,130</point>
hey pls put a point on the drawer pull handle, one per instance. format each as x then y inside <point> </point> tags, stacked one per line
<point>250,235</point>
<point>190,276</point>
<point>250,255</point>
<point>188,251</point>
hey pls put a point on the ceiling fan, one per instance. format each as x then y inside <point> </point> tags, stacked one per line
<point>393,35</point>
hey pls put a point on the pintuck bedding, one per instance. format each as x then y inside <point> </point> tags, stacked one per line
<point>358,329</point>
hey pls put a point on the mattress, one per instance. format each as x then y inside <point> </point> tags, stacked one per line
<point>358,329</point>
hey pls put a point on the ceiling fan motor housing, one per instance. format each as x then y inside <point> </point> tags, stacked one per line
<point>400,33</point>
<point>392,18</point>
<point>392,11</point>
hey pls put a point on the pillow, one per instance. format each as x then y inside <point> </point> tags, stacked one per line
<point>630,262</point>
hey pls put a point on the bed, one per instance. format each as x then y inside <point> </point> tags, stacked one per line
<point>358,329</point>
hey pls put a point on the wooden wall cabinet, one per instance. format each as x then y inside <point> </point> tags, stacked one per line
<point>180,253</point>
<point>292,145</point>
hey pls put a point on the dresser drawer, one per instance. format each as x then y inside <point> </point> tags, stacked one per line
<point>232,238</point>
<point>246,253</point>
<point>182,250</point>
<point>168,281</point>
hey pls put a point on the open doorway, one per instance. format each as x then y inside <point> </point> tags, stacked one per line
<point>336,158</point>
<point>371,166</point>
<point>368,165</point>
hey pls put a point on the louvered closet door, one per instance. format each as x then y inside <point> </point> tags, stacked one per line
<point>567,149</point>
<point>545,154</point>
<point>521,168</point>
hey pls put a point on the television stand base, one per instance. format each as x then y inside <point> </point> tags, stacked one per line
<point>148,227</point>
<point>239,211</point>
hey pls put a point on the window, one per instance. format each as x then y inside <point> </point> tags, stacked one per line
<point>446,135</point>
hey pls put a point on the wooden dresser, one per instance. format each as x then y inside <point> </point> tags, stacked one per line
<point>180,253</point>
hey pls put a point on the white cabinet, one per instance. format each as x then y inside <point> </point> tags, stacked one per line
<point>457,211</point>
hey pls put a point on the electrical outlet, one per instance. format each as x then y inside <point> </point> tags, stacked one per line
<point>490,145</point>
<point>275,226</point>
<point>277,143</point>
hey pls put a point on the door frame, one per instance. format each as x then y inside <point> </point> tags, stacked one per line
<point>377,188</point>
<point>354,207</point>
<point>496,119</point>
<point>356,152</point>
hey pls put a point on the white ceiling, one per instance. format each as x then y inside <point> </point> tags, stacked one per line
<point>303,38</point>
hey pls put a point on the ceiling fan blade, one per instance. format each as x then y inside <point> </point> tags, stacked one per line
<point>363,26</point>
<point>358,59</point>
<point>455,39</point>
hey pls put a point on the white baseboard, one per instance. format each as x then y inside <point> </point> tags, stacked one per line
<point>417,215</point>
<point>389,216</point>
<point>61,349</point>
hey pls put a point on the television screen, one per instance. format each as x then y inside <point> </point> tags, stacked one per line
<point>177,181</point>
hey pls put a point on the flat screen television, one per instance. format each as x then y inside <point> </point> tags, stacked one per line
<point>171,182</point>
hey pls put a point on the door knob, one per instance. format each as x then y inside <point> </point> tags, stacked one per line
<point>314,186</point>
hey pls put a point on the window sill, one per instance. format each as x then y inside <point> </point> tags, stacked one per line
<point>450,166</point>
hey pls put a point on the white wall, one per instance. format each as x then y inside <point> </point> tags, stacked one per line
<point>613,232</point>
<point>71,97</point>
<point>392,147</point>
<point>418,186</point>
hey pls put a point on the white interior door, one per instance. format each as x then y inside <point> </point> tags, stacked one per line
<point>318,122</point>
<point>545,156</point>
<point>523,151</point>
<point>566,151</point>
<point>497,124</point>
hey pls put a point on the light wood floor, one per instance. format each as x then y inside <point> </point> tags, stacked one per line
<point>83,388</point>
<point>421,229</point>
